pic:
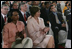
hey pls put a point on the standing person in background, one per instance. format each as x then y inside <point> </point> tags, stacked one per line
<point>4,15</point>
<point>11,28</point>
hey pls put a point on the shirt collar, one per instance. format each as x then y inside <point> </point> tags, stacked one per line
<point>3,15</point>
<point>23,13</point>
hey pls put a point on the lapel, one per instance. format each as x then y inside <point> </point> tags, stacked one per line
<point>35,22</point>
<point>53,16</point>
<point>21,16</point>
<point>2,20</point>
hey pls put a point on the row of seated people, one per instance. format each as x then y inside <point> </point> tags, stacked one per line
<point>33,26</point>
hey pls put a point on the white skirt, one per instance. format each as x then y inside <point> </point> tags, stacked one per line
<point>44,43</point>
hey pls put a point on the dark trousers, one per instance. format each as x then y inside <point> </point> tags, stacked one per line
<point>55,32</point>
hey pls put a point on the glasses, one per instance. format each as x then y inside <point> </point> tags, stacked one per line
<point>6,9</point>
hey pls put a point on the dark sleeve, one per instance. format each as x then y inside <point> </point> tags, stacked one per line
<point>52,21</point>
<point>43,15</point>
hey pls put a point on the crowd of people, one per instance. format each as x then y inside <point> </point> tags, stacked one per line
<point>22,19</point>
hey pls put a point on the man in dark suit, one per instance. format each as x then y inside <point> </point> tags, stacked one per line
<point>45,13</point>
<point>57,23</point>
<point>23,14</point>
<point>4,11</point>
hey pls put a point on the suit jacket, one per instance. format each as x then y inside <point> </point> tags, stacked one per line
<point>9,33</point>
<point>52,20</point>
<point>39,39</point>
<point>21,18</point>
<point>44,15</point>
<point>2,23</point>
<point>34,32</point>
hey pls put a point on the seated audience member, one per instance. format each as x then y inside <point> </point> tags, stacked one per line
<point>37,30</point>
<point>23,14</point>
<point>42,5</point>
<point>4,16</point>
<point>11,28</point>
<point>45,13</point>
<point>57,23</point>
<point>15,5</point>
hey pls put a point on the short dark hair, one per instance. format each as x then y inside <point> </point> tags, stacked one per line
<point>33,10</point>
<point>10,14</point>
<point>50,7</point>
<point>66,3</point>
<point>47,3</point>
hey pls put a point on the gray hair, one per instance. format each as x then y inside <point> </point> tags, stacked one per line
<point>4,5</point>
<point>21,4</point>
